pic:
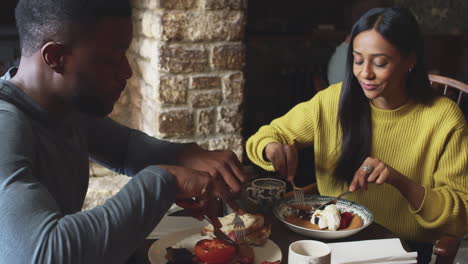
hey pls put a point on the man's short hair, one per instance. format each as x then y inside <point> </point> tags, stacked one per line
<point>40,21</point>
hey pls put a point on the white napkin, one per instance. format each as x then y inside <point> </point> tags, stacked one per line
<point>171,224</point>
<point>173,209</point>
<point>371,251</point>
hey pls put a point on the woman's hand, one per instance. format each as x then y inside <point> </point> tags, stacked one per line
<point>284,159</point>
<point>374,170</point>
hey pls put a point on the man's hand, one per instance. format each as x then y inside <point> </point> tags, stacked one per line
<point>190,183</point>
<point>224,164</point>
<point>283,158</point>
<point>198,192</point>
<point>210,209</point>
<point>193,191</point>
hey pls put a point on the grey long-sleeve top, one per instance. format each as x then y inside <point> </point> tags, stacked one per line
<point>44,178</point>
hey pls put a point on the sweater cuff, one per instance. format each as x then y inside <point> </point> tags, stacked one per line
<point>427,209</point>
<point>266,165</point>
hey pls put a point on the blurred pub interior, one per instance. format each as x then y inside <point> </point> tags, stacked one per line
<point>9,43</point>
<point>288,45</point>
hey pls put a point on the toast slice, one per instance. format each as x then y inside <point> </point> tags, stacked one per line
<point>259,236</point>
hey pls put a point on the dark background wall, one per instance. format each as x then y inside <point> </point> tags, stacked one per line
<point>9,45</point>
<point>7,15</point>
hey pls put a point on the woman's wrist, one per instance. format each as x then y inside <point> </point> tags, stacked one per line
<point>265,152</point>
<point>412,191</point>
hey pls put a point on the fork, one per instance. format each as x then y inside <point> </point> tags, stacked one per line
<point>298,193</point>
<point>239,228</point>
<point>333,201</point>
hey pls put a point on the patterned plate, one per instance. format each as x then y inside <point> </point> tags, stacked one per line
<point>282,210</point>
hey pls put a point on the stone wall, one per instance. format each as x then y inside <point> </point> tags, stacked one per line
<point>187,58</point>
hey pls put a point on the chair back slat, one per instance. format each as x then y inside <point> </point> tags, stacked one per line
<point>447,83</point>
<point>460,93</point>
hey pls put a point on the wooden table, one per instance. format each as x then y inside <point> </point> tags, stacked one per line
<point>283,237</point>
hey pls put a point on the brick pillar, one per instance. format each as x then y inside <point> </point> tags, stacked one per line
<point>188,58</point>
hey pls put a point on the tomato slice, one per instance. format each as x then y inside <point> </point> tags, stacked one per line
<point>214,251</point>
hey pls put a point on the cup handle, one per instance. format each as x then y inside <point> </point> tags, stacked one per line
<point>249,192</point>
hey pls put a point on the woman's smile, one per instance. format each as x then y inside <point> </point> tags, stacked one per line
<point>368,86</point>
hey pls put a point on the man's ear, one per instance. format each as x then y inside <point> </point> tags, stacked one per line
<point>53,55</point>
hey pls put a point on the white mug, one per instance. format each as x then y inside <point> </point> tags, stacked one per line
<point>309,252</point>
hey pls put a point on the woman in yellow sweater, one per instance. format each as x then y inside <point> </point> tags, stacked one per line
<point>382,133</point>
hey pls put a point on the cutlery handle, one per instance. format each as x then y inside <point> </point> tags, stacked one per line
<point>343,194</point>
<point>332,201</point>
<point>311,188</point>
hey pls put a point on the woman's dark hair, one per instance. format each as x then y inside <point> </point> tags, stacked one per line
<point>39,21</point>
<point>399,27</point>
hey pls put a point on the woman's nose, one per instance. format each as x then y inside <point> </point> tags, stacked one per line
<point>367,71</point>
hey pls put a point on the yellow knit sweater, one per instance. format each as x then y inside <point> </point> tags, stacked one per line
<point>426,143</point>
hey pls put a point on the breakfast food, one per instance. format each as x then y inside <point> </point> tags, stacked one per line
<point>178,256</point>
<point>330,218</point>
<point>207,249</point>
<point>214,251</point>
<point>211,251</point>
<point>257,232</point>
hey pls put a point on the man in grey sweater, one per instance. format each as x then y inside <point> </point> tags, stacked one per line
<point>52,120</point>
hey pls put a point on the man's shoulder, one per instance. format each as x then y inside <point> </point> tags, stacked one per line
<point>13,119</point>
<point>11,101</point>
<point>10,109</point>
<point>7,105</point>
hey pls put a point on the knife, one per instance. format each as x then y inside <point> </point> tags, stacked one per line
<point>218,233</point>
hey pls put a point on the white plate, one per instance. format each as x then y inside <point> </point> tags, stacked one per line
<point>188,238</point>
<point>282,210</point>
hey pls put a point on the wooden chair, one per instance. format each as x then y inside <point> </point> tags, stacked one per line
<point>449,85</point>
<point>444,250</point>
